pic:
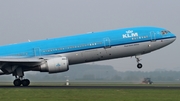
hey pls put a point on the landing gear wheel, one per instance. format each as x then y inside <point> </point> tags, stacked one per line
<point>139,65</point>
<point>25,82</point>
<point>17,82</point>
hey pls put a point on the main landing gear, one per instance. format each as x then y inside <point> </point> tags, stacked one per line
<point>19,73</point>
<point>139,65</point>
<point>23,82</point>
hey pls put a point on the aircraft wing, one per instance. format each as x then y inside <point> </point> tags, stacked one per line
<point>10,64</point>
<point>21,61</point>
<point>24,61</point>
<point>14,60</point>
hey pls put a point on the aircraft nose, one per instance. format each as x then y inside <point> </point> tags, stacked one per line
<point>173,37</point>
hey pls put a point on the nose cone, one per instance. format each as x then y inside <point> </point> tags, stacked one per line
<point>168,39</point>
<point>173,37</point>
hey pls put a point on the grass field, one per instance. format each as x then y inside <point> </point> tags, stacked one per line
<point>27,94</point>
<point>72,94</point>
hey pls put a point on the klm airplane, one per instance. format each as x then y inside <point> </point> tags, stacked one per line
<point>55,55</point>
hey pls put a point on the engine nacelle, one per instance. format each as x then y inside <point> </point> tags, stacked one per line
<point>55,65</point>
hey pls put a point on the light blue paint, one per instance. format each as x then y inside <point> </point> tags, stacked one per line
<point>84,41</point>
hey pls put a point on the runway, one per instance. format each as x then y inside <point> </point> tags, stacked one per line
<point>95,87</point>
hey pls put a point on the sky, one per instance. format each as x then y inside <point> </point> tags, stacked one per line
<point>23,20</point>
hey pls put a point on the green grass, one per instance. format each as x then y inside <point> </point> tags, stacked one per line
<point>28,94</point>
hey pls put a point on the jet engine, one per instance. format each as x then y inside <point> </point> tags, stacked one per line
<point>55,65</point>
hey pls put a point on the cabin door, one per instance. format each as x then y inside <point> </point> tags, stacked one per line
<point>106,43</point>
<point>153,36</point>
<point>37,52</point>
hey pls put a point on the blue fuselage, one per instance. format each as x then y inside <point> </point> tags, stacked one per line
<point>105,39</point>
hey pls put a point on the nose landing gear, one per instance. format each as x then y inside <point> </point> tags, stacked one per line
<point>139,65</point>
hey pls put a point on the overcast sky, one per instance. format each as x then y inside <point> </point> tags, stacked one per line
<point>21,20</point>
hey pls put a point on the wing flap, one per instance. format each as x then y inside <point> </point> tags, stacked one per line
<point>14,60</point>
<point>24,61</point>
<point>21,61</point>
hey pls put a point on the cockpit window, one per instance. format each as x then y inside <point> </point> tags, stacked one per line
<point>165,32</point>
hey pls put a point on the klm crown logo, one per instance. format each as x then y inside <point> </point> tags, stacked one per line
<point>129,31</point>
<point>58,65</point>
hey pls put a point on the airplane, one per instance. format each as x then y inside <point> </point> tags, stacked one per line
<point>56,54</point>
